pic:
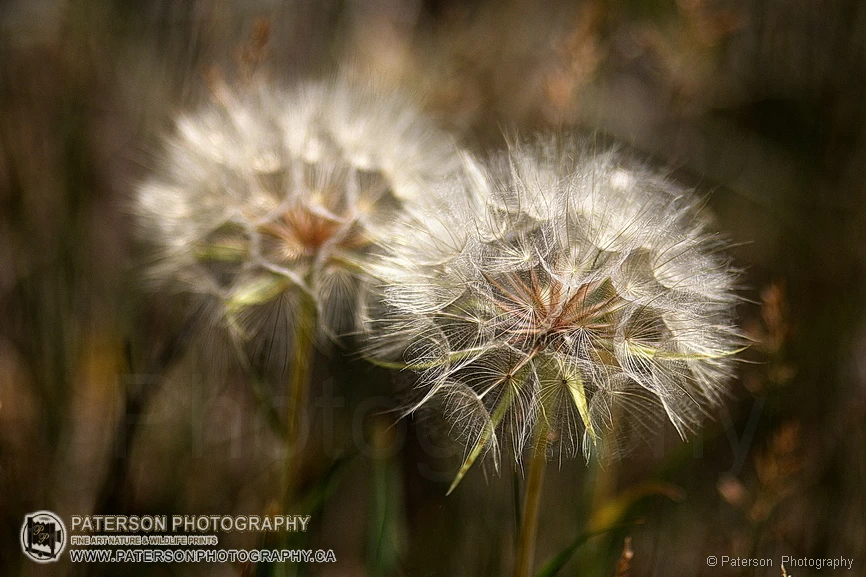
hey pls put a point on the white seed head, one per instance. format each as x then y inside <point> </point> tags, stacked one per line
<point>264,198</point>
<point>571,293</point>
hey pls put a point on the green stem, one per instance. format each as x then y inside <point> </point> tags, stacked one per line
<point>298,390</point>
<point>529,523</point>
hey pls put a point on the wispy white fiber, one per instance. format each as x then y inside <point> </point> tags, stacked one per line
<point>265,197</point>
<point>561,290</point>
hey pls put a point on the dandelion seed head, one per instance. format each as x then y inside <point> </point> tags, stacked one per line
<point>264,197</point>
<point>570,291</point>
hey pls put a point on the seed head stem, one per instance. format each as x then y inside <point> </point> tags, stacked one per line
<point>297,392</point>
<point>525,556</point>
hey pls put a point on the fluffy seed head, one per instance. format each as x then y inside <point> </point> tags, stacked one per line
<point>571,294</point>
<point>265,199</point>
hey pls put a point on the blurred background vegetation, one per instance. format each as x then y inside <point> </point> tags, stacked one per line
<point>759,104</point>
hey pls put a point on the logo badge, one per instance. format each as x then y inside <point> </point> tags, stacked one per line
<point>43,536</point>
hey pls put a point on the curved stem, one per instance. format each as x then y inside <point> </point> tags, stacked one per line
<point>529,524</point>
<point>113,492</point>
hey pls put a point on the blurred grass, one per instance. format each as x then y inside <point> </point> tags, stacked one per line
<point>760,104</point>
